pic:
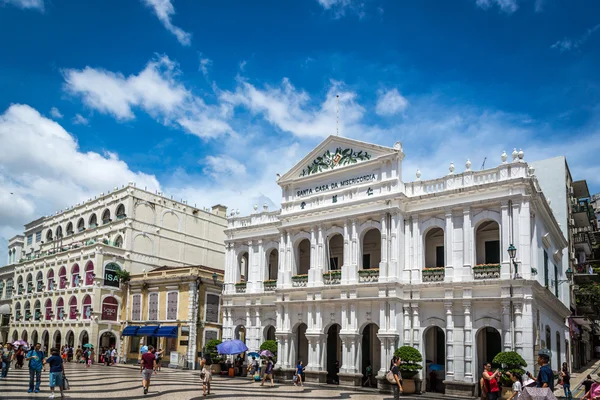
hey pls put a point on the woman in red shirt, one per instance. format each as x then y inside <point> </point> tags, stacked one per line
<point>491,382</point>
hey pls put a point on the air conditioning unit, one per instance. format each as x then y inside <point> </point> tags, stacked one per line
<point>571,190</point>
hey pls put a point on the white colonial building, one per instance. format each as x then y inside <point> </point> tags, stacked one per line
<point>66,289</point>
<point>358,263</point>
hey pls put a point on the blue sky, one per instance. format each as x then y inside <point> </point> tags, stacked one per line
<point>208,100</point>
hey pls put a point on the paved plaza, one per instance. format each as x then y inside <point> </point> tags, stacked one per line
<point>124,382</point>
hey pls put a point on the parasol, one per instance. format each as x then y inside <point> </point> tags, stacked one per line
<point>266,353</point>
<point>535,393</point>
<point>436,367</point>
<point>232,347</point>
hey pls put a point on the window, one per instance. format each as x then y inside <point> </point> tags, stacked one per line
<point>80,225</point>
<point>153,306</point>
<point>51,280</point>
<point>70,228</point>
<point>172,298</point>
<point>334,263</point>
<point>87,307</point>
<point>75,276</point>
<point>62,278</point>
<point>366,261</point>
<point>30,239</point>
<point>121,211</point>
<point>134,346</point>
<point>38,236</point>
<point>556,281</point>
<point>136,309</point>
<point>110,307</point>
<point>49,235</point>
<point>106,216</point>
<point>73,308</point>
<point>546,273</point>
<point>492,252</point>
<point>93,221</point>
<point>60,308</point>
<point>89,273</point>
<point>9,288</point>
<point>439,256</point>
<point>212,308</point>
<point>48,310</point>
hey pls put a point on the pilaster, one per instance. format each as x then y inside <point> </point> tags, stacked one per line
<point>448,247</point>
<point>505,240</point>
<point>468,252</point>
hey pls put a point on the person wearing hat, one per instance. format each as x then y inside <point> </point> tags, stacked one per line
<point>545,377</point>
<point>594,392</point>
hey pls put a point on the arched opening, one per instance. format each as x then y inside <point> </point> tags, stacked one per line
<point>435,356</point>
<point>24,336</point>
<point>15,336</point>
<point>118,241</point>
<point>48,306</point>
<point>60,309</point>
<point>40,281</point>
<point>27,311</point>
<point>87,307</point>
<point>75,276</point>
<point>45,341</point>
<point>50,279</point>
<point>73,307</point>
<point>49,235</point>
<point>334,353</point>
<point>240,333</point>
<point>272,264</point>
<point>487,243</point>
<point>243,266</point>
<point>106,216</point>
<point>434,248</point>
<point>93,222</point>
<point>84,338</point>
<point>29,283</point>
<point>303,257</point>
<point>489,344</point>
<point>89,273</point>
<point>37,310</point>
<point>18,314</point>
<point>81,225</point>
<point>70,339</point>
<point>301,345</point>
<point>121,211</point>
<point>110,307</point>
<point>57,340</point>
<point>70,228</point>
<point>59,232</point>
<point>107,339</point>
<point>371,249</point>
<point>34,338</point>
<point>270,333</point>
<point>371,354</point>
<point>549,340</point>
<point>558,356</point>
<point>62,278</point>
<point>336,252</point>
<point>20,286</point>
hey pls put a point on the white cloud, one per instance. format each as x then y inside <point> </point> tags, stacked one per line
<point>507,6</point>
<point>204,64</point>
<point>567,44</point>
<point>155,90</point>
<point>26,4</point>
<point>164,10</point>
<point>339,7</point>
<point>224,166</point>
<point>55,113</point>
<point>80,120</point>
<point>46,171</point>
<point>390,102</point>
<point>243,65</point>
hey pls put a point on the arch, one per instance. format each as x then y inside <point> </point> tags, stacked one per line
<point>15,336</point>
<point>34,338</point>
<point>49,235</point>
<point>434,345</point>
<point>70,228</point>
<point>488,343</point>
<point>87,307</point>
<point>549,339</point>
<point>89,273</point>
<point>433,243</point>
<point>40,281</point>
<point>118,242</point>
<point>240,333</point>
<point>335,250</point>
<point>84,338</point>
<point>73,311</point>
<point>106,216</point>
<point>558,349</point>
<point>370,248</point>
<point>302,257</point>
<point>50,279</point>
<point>25,336</point>
<point>30,283</point>
<point>60,309</point>
<point>370,350</point>
<point>57,339</point>
<point>430,223</point>
<point>110,308</point>
<point>75,278</point>
<point>170,220</point>
<point>243,260</point>
<point>367,226</point>
<point>145,212</point>
<point>93,221</point>
<point>120,211</point>
<point>62,278</point>
<point>143,243</point>
<point>81,225</point>
<point>59,232</point>
<point>18,314</point>
<point>487,242</point>
<point>300,344</point>
<point>27,310</point>
<point>37,310</point>
<point>70,338</point>
<point>334,353</point>
<point>48,309</point>
<point>20,286</point>
<point>272,264</point>
<point>107,338</point>
<point>269,333</point>
<point>45,341</point>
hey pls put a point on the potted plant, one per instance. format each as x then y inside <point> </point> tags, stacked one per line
<point>409,367</point>
<point>512,362</point>
<point>211,349</point>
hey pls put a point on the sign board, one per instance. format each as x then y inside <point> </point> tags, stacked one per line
<point>110,311</point>
<point>184,342</point>
<point>174,358</point>
<point>110,274</point>
<point>212,308</point>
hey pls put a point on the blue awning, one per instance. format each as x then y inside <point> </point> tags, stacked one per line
<point>147,330</point>
<point>167,331</point>
<point>130,330</point>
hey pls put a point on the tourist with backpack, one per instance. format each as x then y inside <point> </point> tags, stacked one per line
<point>394,378</point>
<point>268,373</point>
<point>8,355</point>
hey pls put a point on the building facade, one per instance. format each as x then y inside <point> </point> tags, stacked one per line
<point>67,287</point>
<point>7,285</point>
<point>176,309</point>
<point>358,263</point>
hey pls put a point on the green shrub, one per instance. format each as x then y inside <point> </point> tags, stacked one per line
<point>270,345</point>
<point>211,348</point>
<point>511,362</point>
<point>410,359</point>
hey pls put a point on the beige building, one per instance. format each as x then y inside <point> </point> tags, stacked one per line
<point>66,266</point>
<point>176,309</point>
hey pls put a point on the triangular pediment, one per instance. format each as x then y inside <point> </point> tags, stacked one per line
<point>334,153</point>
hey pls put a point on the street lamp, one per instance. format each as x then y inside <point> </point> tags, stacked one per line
<point>512,252</point>
<point>568,274</point>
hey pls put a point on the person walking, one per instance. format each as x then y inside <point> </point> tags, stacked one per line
<point>107,356</point>
<point>268,373</point>
<point>299,372</point>
<point>8,355</point>
<point>566,381</point>
<point>147,367</point>
<point>20,356</point>
<point>205,376</point>
<point>78,354</point>
<point>545,377</point>
<point>69,353</point>
<point>587,383</point>
<point>57,369</point>
<point>368,376</point>
<point>394,367</point>
<point>253,368</point>
<point>113,355</point>
<point>37,360</point>
<point>159,357</point>
<point>517,386</point>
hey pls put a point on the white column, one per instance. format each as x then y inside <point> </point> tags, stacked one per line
<point>259,267</point>
<point>507,342</point>
<point>469,348</point>
<point>448,248</point>
<point>518,307</point>
<point>250,265</point>
<point>397,238</point>
<point>193,324</point>
<point>416,327</point>
<point>356,262</point>
<point>384,357</point>
<point>347,254</point>
<point>449,341</point>
<point>467,248</point>
<point>281,275</point>
<point>505,240</point>
<point>405,271</point>
<point>407,325</point>
<point>383,265</point>
<point>524,251</point>
<point>417,265</point>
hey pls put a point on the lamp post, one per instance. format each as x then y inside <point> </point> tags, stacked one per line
<point>512,252</point>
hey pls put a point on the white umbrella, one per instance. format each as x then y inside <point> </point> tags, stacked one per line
<point>535,393</point>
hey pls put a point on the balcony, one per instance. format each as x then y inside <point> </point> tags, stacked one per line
<point>332,277</point>
<point>434,274</point>
<point>240,287</point>
<point>486,271</point>
<point>583,242</point>
<point>270,285</point>
<point>583,214</point>
<point>368,275</point>
<point>299,280</point>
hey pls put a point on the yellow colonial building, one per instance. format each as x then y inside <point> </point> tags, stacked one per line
<point>176,309</point>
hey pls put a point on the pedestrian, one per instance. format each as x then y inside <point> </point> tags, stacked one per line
<point>587,383</point>
<point>299,372</point>
<point>57,369</point>
<point>368,376</point>
<point>78,354</point>
<point>545,377</point>
<point>64,354</point>
<point>91,358</point>
<point>491,382</point>
<point>159,356</point>
<point>69,353</point>
<point>253,367</point>
<point>594,392</point>
<point>86,357</point>
<point>113,354</point>
<point>205,376</point>
<point>268,373</point>
<point>37,360</point>
<point>566,381</point>
<point>20,355</point>
<point>8,356</point>
<point>147,367</point>
<point>517,386</point>
<point>107,356</point>
<point>394,367</point>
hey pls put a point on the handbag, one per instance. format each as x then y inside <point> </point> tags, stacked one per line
<point>65,383</point>
<point>295,379</point>
<point>390,377</point>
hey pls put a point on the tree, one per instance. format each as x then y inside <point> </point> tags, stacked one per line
<point>410,359</point>
<point>270,345</point>
<point>211,349</point>
<point>511,362</point>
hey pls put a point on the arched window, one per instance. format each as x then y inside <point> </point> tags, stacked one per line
<point>110,307</point>
<point>59,233</point>
<point>70,228</point>
<point>75,276</point>
<point>18,314</point>
<point>40,281</point>
<point>73,307</point>
<point>27,310</point>
<point>121,212</point>
<point>37,310</point>
<point>29,283</point>
<point>10,284</point>
<point>49,235</point>
<point>20,287</point>
<point>87,307</point>
<point>106,216</point>
<point>93,221</point>
<point>50,279</point>
<point>80,225</point>
<point>118,241</point>
<point>89,273</point>
<point>48,306</point>
<point>62,278</point>
<point>60,308</point>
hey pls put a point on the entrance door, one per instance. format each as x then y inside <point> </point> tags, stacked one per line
<point>334,353</point>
